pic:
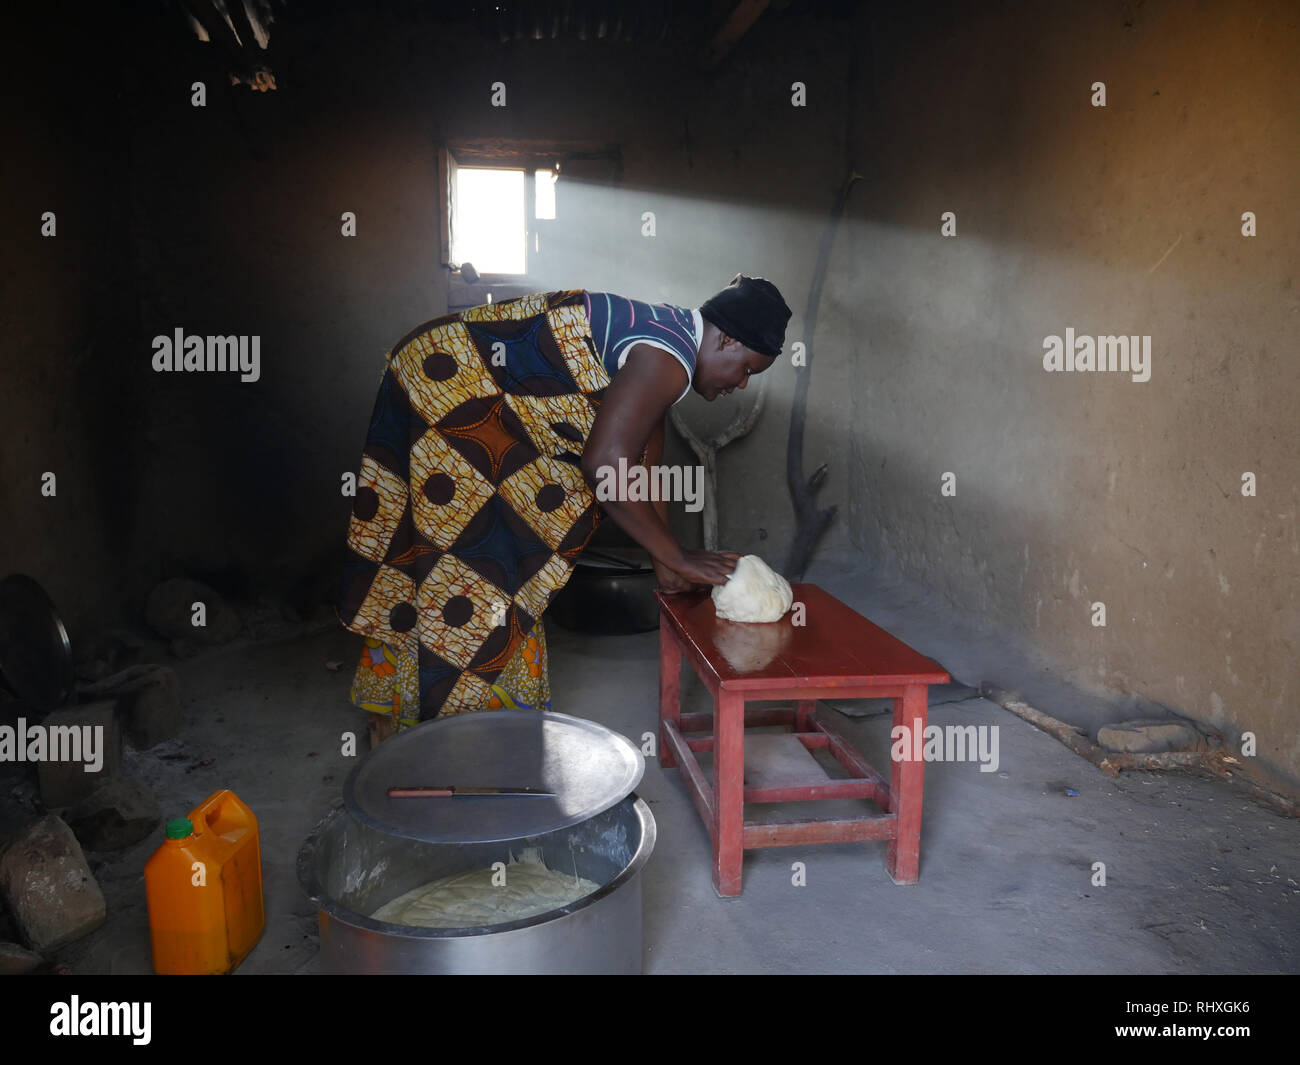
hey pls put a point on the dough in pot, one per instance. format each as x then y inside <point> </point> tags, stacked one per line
<point>753,592</point>
<point>472,898</point>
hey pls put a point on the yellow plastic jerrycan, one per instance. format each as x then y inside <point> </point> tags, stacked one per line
<point>204,887</point>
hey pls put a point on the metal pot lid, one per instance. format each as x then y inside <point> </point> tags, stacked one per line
<point>616,561</point>
<point>589,768</point>
<point>35,655</point>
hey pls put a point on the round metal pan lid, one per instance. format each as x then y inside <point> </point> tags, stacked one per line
<point>589,768</point>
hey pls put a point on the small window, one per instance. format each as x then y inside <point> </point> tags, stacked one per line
<point>544,206</point>
<point>490,227</point>
<point>501,211</point>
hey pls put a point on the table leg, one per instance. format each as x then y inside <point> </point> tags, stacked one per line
<point>728,791</point>
<point>906,788</point>
<point>670,688</point>
<point>804,712</point>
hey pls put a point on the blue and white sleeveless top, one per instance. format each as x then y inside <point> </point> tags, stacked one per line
<point>617,323</point>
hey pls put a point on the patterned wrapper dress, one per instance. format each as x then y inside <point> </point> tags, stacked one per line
<point>471,508</point>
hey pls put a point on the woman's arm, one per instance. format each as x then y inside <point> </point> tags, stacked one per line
<point>654,456</point>
<point>669,579</point>
<point>631,416</point>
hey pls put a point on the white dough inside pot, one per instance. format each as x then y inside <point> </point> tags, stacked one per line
<point>473,898</point>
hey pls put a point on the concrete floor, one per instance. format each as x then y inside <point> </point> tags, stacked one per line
<point>1199,878</point>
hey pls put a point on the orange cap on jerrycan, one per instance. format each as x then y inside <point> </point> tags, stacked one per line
<point>204,888</point>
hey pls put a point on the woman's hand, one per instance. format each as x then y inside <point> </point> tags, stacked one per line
<point>706,567</point>
<point>670,580</point>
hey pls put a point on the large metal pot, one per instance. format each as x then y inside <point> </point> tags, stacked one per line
<point>609,593</point>
<point>350,870</point>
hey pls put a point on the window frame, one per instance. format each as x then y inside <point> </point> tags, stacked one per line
<point>502,154</point>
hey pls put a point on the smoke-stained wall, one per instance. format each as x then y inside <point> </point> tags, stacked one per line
<point>1080,488</point>
<point>68,414</point>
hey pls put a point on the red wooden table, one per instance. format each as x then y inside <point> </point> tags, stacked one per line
<point>836,651</point>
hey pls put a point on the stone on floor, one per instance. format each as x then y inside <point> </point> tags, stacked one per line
<point>47,886</point>
<point>120,812</point>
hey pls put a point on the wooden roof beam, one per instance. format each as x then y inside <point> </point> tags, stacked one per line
<point>742,16</point>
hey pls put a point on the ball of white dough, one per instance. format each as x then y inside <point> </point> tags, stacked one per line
<point>753,592</point>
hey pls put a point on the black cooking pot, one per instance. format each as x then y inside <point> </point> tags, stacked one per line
<point>35,654</point>
<point>611,593</point>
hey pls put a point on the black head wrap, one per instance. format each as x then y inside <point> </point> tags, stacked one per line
<point>752,311</point>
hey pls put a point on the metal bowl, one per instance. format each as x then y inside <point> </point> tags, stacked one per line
<point>349,870</point>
